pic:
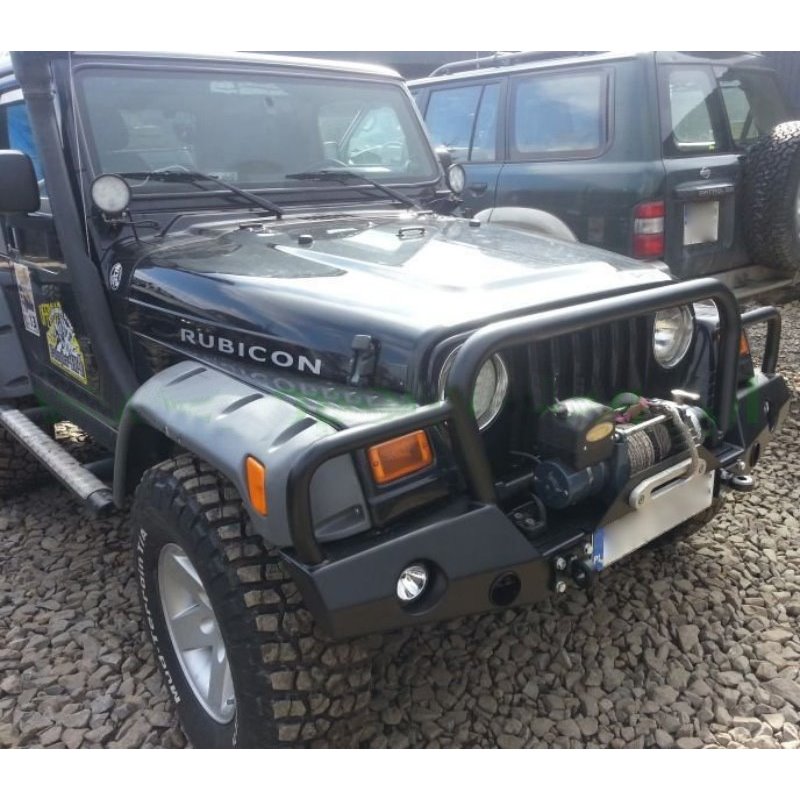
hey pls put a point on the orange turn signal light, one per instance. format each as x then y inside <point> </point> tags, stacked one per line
<point>744,345</point>
<point>400,457</point>
<point>257,484</point>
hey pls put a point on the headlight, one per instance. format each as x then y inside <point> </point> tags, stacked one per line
<point>672,335</point>
<point>491,388</point>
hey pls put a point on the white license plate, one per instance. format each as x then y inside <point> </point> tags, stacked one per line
<point>700,223</point>
<point>662,513</point>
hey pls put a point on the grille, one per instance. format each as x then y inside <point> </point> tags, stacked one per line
<point>598,363</point>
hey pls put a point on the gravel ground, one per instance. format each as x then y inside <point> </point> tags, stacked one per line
<point>692,642</point>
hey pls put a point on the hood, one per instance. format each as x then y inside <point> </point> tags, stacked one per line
<point>300,291</point>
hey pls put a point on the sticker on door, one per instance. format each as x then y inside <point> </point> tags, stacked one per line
<point>23,278</point>
<point>62,343</point>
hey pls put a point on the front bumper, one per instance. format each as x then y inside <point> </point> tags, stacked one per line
<point>478,558</point>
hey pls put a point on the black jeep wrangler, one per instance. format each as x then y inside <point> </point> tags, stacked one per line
<point>684,157</point>
<point>339,411</point>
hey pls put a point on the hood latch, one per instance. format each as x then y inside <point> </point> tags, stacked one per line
<point>365,351</point>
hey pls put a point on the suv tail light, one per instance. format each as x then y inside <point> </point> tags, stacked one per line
<point>648,230</point>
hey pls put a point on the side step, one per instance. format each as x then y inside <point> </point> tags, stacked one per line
<point>96,494</point>
<point>753,281</point>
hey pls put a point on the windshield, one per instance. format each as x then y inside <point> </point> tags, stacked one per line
<point>249,129</point>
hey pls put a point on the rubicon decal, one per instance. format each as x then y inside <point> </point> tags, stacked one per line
<point>257,353</point>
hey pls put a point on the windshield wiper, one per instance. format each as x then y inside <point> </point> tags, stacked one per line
<point>188,176</point>
<point>345,175</point>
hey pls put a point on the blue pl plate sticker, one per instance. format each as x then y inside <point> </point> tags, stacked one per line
<point>597,549</point>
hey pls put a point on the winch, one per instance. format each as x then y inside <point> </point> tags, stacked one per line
<point>590,449</point>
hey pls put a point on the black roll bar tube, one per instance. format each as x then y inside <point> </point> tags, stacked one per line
<point>456,408</point>
<point>770,315</point>
<point>32,70</point>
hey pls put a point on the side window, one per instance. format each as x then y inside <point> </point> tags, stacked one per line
<point>752,102</point>
<point>689,105</point>
<point>485,138</point>
<point>559,115</point>
<point>451,117</point>
<point>16,133</point>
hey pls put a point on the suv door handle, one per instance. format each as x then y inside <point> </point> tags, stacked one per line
<point>478,188</point>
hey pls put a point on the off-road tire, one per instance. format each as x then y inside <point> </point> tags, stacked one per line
<point>292,685</point>
<point>771,182</point>
<point>20,470</point>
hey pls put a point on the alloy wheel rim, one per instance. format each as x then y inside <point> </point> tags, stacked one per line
<point>195,634</point>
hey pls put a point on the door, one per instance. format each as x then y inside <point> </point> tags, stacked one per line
<point>707,119</point>
<point>39,293</point>
<point>464,119</point>
<point>560,136</point>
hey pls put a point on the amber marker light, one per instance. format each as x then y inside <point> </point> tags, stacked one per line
<point>257,484</point>
<point>400,457</point>
<point>744,345</point>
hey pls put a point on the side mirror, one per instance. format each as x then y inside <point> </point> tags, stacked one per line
<point>19,191</point>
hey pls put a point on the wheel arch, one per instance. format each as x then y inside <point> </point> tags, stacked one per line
<point>205,412</point>
<point>529,219</point>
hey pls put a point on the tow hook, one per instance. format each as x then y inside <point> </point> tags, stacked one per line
<point>738,478</point>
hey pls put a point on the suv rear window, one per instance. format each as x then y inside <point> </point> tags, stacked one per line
<point>690,93</point>
<point>559,115</point>
<point>752,102</point>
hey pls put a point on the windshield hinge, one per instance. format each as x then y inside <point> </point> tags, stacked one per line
<point>365,351</point>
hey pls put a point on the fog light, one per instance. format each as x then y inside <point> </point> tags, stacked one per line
<point>412,582</point>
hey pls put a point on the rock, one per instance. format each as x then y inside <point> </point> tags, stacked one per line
<point>730,678</point>
<point>749,723</point>
<point>688,637</point>
<point>487,703</point>
<point>776,635</point>
<point>80,719</point>
<point>392,715</point>
<point>11,685</point>
<point>664,695</point>
<point>663,739</point>
<point>508,742</point>
<point>787,689</point>
<point>541,726</point>
<point>588,727</point>
<point>100,735</point>
<point>775,721</point>
<point>790,733</point>
<point>766,671</point>
<point>73,737</point>
<point>101,704</point>
<point>689,743</point>
<point>134,737</point>
<point>569,728</point>
<point>50,736</point>
<point>678,678</point>
<point>531,689</point>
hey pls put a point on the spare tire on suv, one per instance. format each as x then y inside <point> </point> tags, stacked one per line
<point>772,194</point>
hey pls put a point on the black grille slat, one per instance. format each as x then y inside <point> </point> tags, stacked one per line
<point>598,363</point>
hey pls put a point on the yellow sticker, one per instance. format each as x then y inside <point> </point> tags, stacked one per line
<point>600,431</point>
<point>62,343</point>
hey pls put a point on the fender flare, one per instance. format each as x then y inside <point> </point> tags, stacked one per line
<point>533,220</point>
<point>223,420</point>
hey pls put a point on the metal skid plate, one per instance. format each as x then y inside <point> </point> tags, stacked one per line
<point>665,509</point>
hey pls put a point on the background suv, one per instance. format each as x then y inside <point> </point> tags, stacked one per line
<point>641,153</point>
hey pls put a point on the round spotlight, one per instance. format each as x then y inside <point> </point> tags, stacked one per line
<point>412,582</point>
<point>456,178</point>
<point>111,194</point>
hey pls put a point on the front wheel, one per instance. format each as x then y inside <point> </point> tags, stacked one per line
<point>240,655</point>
